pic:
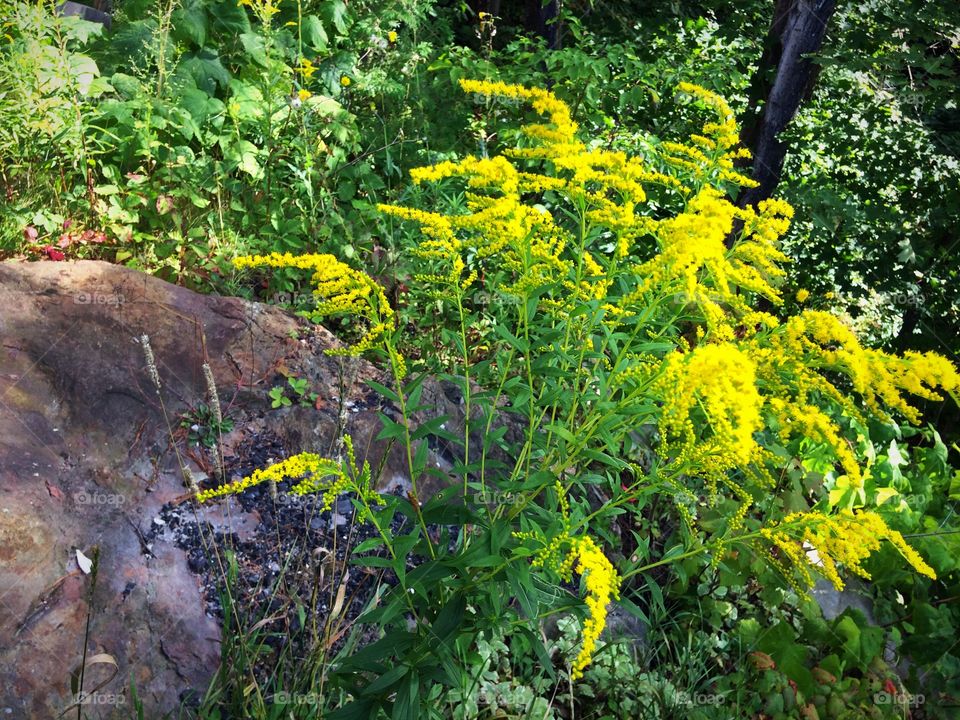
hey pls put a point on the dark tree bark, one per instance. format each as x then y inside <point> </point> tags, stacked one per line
<point>784,79</point>
<point>542,20</point>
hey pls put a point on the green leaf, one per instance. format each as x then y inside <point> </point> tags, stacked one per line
<point>346,190</point>
<point>780,643</point>
<point>335,13</point>
<point>313,33</point>
<point>229,18</point>
<point>206,70</point>
<point>386,681</point>
<point>190,22</point>
<point>391,429</point>
<point>433,426</point>
<point>256,47</point>
<point>373,561</point>
<point>360,709</point>
<point>248,159</point>
<point>546,663</point>
<point>384,390</point>
<point>562,432</point>
<point>368,544</point>
<point>407,704</point>
<point>448,619</point>
<point>519,576</point>
<point>521,346</point>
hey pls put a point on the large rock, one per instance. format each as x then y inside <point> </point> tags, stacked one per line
<point>86,462</point>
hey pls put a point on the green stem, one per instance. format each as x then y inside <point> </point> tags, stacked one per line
<point>408,442</point>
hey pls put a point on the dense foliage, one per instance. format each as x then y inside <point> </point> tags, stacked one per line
<point>692,409</point>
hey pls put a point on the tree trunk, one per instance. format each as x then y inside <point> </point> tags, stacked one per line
<point>783,80</point>
<point>542,20</point>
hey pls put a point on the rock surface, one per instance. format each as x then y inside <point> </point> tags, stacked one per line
<point>86,461</point>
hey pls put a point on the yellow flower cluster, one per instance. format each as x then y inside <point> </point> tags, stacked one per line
<point>711,406</point>
<point>822,341</point>
<point>314,473</point>
<point>828,541</point>
<point>561,130</point>
<point>263,9</point>
<point>797,363</point>
<point>737,371</point>
<point>609,186</point>
<point>312,468</point>
<point>565,554</point>
<point>696,265</point>
<point>306,68</point>
<point>710,156</point>
<point>340,290</point>
<point>603,585</point>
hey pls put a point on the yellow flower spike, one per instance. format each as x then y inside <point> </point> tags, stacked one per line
<point>824,341</point>
<point>720,379</point>
<point>694,257</point>
<point>339,289</point>
<point>603,586</point>
<point>307,465</point>
<point>845,539</point>
<point>543,101</point>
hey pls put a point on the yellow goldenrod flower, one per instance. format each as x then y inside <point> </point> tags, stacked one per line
<point>845,539</point>
<point>314,474</point>
<point>565,554</point>
<point>263,9</point>
<point>718,381</point>
<point>339,289</point>
<point>820,340</point>
<point>603,585</point>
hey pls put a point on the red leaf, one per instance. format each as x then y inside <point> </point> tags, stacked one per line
<point>52,253</point>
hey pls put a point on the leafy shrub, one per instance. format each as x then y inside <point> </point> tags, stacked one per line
<point>627,361</point>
